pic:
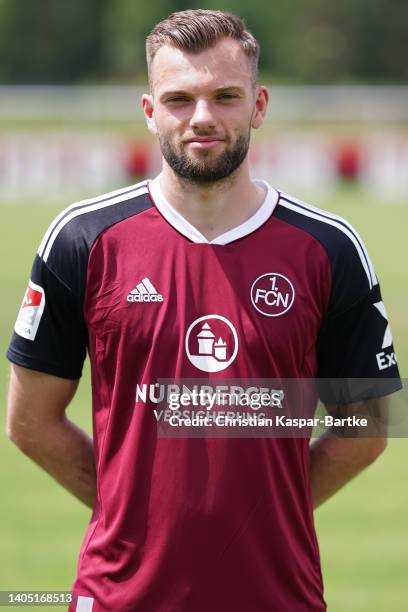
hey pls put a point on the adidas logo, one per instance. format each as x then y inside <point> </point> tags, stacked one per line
<point>144,292</point>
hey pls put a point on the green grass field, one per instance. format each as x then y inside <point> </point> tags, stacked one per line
<point>363,531</point>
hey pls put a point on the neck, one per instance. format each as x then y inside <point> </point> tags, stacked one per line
<point>213,208</point>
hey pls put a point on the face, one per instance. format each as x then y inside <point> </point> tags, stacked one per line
<point>202,108</point>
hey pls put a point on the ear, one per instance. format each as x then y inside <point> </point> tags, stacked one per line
<point>261,105</point>
<point>148,110</point>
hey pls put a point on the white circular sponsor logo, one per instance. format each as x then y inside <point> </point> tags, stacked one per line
<point>272,294</point>
<point>211,343</point>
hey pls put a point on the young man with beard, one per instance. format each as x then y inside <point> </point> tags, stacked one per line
<point>201,273</point>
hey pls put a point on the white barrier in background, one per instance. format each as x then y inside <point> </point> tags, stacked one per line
<point>384,169</point>
<point>291,103</point>
<point>44,167</point>
<point>68,164</point>
<point>71,165</point>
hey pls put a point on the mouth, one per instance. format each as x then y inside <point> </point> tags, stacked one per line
<point>203,142</point>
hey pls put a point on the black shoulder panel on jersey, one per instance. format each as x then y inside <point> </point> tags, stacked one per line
<point>86,206</point>
<point>354,339</point>
<point>66,249</point>
<point>50,333</point>
<point>351,269</point>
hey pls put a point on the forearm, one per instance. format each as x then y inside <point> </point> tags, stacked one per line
<point>64,451</point>
<point>335,461</point>
<point>37,424</point>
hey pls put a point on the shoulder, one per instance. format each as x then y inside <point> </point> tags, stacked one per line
<point>343,245</point>
<point>78,225</point>
<point>66,245</point>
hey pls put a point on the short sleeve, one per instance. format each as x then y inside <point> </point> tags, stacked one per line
<point>356,357</point>
<point>50,333</point>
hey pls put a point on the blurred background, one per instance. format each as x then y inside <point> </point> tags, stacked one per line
<point>71,76</point>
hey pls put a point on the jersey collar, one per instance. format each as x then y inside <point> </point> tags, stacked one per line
<point>189,231</point>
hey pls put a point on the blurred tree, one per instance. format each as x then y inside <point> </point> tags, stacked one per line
<point>47,41</point>
<point>355,40</point>
<point>310,41</point>
<point>315,41</point>
<point>126,24</point>
<point>380,30</point>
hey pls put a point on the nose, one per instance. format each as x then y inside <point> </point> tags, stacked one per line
<point>203,116</point>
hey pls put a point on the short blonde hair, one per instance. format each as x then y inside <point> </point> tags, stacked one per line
<point>198,30</point>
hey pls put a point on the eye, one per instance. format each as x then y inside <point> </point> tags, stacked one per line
<point>177,99</point>
<point>227,96</point>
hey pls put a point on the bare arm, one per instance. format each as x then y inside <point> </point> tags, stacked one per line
<point>334,461</point>
<point>37,424</point>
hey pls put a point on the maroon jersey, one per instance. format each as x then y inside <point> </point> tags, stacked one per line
<point>194,524</point>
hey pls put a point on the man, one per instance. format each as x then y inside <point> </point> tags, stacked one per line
<point>201,273</point>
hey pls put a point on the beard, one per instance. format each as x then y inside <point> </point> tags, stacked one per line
<point>208,169</point>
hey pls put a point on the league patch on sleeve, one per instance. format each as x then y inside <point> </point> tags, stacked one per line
<point>31,312</point>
